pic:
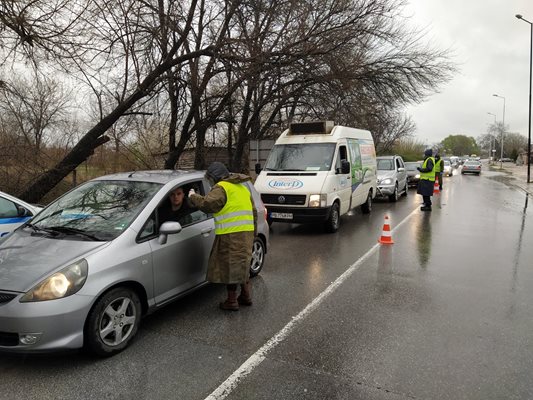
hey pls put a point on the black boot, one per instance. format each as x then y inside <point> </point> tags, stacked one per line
<point>231,303</point>
<point>245,298</point>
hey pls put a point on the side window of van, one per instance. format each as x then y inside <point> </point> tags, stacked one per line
<point>342,155</point>
<point>398,163</point>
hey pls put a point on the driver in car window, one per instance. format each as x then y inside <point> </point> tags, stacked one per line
<point>176,208</point>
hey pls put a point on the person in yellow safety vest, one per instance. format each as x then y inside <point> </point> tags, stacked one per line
<point>439,168</point>
<point>427,179</point>
<point>235,226</point>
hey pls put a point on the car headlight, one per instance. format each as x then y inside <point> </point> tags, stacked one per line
<point>61,284</point>
<point>417,176</point>
<point>386,181</point>
<point>317,200</point>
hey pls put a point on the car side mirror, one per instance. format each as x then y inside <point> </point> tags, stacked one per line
<point>168,228</point>
<point>22,212</point>
<point>345,167</point>
<point>401,169</point>
<point>258,168</point>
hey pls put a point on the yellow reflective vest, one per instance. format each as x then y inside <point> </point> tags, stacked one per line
<point>429,176</point>
<point>237,214</point>
<point>438,165</point>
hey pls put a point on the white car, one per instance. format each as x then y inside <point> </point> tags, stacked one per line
<point>447,168</point>
<point>14,212</point>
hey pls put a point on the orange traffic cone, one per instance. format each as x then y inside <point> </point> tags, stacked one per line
<point>436,189</point>
<point>386,237</point>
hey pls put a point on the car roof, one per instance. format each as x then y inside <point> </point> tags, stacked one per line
<point>156,176</point>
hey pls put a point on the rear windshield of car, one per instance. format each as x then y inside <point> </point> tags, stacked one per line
<point>96,210</point>
<point>411,166</point>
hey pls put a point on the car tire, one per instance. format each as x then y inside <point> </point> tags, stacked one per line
<point>258,256</point>
<point>333,222</point>
<point>394,197</point>
<point>366,207</point>
<point>405,189</point>
<point>119,304</point>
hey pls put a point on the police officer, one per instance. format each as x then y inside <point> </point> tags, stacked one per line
<point>439,168</point>
<point>427,179</point>
<point>235,226</point>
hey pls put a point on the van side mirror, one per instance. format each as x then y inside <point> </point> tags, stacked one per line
<point>345,167</point>
<point>258,168</point>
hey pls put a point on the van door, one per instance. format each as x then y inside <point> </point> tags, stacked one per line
<point>344,190</point>
<point>358,192</point>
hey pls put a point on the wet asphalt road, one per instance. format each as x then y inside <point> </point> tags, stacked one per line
<point>444,313</point>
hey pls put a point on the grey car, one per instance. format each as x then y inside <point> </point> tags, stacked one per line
<point>392,177</point>
<point>87,268</point>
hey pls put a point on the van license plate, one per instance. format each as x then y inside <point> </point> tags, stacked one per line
<point>281,215</point>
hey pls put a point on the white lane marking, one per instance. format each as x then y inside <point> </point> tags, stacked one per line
<point>257,358</point>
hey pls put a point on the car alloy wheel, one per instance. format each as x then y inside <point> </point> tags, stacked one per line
<point>258,257</point>
<point>113,321</point>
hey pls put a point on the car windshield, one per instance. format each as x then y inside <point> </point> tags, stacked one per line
<point>96,210</point>
<point>385,165</point>
<point>301,157</point>
<point>411,166</point>
<point>447,164</point>
<point>472,163</point>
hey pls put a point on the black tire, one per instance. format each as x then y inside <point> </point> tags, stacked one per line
<point>366,207</point>
<point>394,197</point>
<point>333,222</point>
<point>100,329</point>
<point>406,189</point>
<point>258,256</point>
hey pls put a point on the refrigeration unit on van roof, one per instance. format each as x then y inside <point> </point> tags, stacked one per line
<point>311,128</point>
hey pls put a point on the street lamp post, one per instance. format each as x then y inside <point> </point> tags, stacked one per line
<point>529,111</point>
<point>503,128</point>
<point>493,142</point>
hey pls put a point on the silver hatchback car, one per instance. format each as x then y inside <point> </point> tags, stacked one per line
<point>93,262</point>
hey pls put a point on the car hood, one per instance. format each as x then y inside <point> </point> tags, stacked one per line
<point>25,260</point>
<point>385,174</point>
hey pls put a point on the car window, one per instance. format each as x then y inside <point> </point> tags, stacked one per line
<point>385,165</point>
<point>8,209</point>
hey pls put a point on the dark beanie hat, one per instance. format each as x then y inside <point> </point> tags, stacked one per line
<point>428,152</point>
<point>217,171</point>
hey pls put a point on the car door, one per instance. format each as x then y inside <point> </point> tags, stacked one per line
<point>181,263</point>
<point>402,174</point>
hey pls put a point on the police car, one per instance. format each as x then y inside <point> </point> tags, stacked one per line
<point>14,212</point>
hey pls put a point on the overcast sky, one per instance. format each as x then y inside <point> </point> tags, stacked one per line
<point>491,47</point>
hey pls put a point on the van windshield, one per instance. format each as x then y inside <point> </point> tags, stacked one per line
<point>301,157</point>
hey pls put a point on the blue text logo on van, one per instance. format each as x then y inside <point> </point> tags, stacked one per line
<point>285,183</point>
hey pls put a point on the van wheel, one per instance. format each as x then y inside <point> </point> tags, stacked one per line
<point>394,197</point>
<point>406,189</point>
<point>113,322</point>
<point>333,222</point>
<point>366,207</point>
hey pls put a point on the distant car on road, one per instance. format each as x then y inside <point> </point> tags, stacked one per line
<point>14,212</point>
<point>413,175</point>
<point>392,177</point>
<point>447,168</point>
<point>472,167</point>
<point>505,159</point>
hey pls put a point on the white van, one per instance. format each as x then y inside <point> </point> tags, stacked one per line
<point>317,172</point>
